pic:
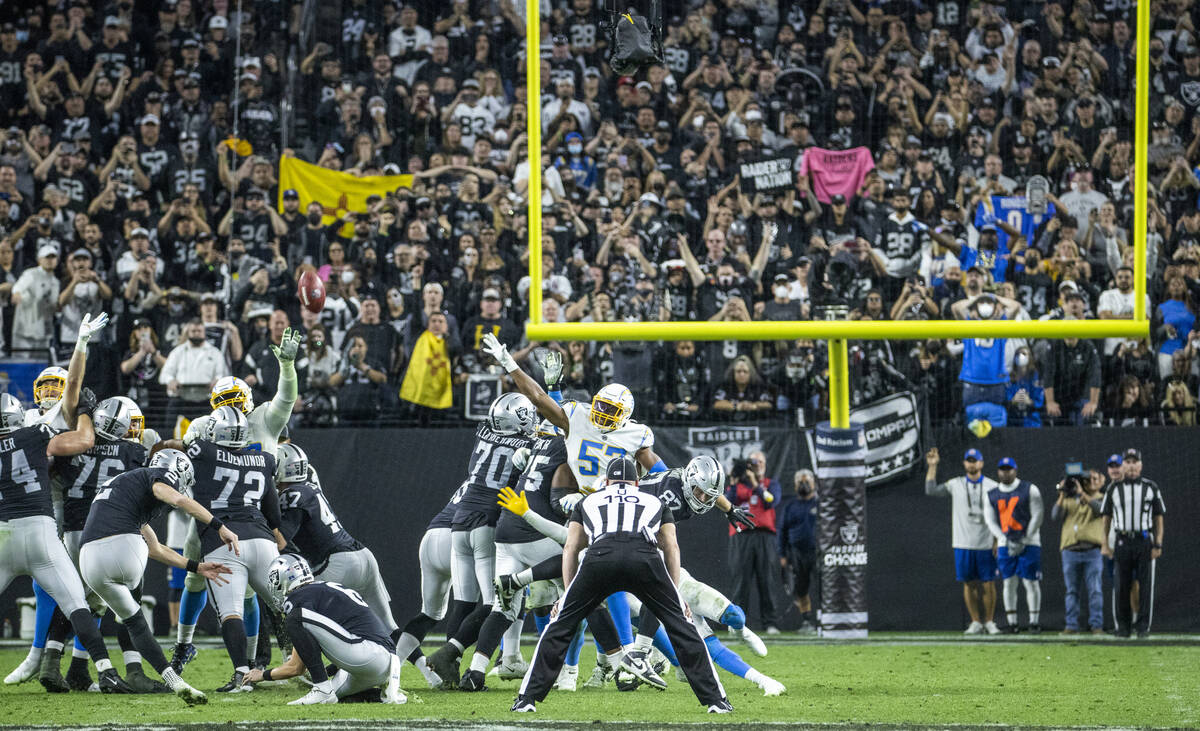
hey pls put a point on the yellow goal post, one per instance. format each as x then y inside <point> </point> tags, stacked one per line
<point>836,332</point>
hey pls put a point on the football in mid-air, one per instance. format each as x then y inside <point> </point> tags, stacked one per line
<point>311,291</point>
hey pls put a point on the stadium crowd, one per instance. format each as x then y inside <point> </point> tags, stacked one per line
<point>120,190</point>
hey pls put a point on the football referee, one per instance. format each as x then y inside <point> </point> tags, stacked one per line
<point>1134,507</point>
<point>631,535</point>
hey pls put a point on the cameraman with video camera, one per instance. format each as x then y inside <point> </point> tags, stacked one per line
<point>1078,507</point>
<point>752,552</point>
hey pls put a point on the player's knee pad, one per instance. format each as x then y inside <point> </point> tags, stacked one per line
<point>704,599</point>
<point>733,617</point>
<point>195,582</point>
<point>543,593</point>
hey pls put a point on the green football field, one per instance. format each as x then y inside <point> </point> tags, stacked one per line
<point>889,681</point>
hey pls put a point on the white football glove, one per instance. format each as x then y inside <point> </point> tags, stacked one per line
<point>552,366</point>
<point>568,502</point>
<point>499,351</point>
<point>89,327</point>
<point>520,458</point>
<point>1015,547</point>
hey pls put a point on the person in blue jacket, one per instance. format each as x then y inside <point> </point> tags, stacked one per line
<point>1024,396</point>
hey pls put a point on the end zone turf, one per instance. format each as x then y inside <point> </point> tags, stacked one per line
<point>893,681</point>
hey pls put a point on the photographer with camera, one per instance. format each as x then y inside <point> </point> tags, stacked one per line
<point>752,552</point>
<point>1078,507</point>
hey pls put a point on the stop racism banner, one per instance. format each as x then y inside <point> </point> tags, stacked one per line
<point>842,533</point>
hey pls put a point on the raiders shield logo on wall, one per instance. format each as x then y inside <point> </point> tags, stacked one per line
<point>849,532</point>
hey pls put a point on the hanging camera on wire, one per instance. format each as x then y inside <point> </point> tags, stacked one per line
<point>635,39</point>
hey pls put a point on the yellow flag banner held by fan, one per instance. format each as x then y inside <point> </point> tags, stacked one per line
<point>337,192</point>
<point>427,381</point>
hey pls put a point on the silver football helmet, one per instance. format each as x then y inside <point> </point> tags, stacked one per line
<point>112,419</point>
<point>285,573</point>
<point>703,483</point>
<point>178,464</point>
<point>12,414</point>
<point>137,420</point>
<point>513,413</point>
<point>291,464</point>
<point>228,427</point>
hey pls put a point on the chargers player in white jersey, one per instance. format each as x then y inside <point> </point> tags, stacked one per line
<point>595,436</point>
<point>56,394</point>
<point>266,422</point>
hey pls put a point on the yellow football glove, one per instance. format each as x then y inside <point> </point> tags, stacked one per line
<point>512,502</point>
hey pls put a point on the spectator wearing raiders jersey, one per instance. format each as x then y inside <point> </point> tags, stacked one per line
<point>1133,512</point>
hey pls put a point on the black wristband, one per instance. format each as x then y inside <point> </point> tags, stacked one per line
<point>267,674</point>
<point>1156,545</point>
<point>216,523</point>
<point>193,565</point>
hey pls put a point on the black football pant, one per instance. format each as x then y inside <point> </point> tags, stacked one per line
<point>617,564</point>
<point>1131,554</point>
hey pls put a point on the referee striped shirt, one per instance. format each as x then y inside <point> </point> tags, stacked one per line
<point>1133,505</point>
<point>621,510</point>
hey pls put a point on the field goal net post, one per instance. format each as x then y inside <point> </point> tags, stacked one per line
<point>836,332</point>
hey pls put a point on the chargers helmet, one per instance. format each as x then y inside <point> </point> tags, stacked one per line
<point>512,413</point>
<point>286,573</point>
<point>49,387</point>
<point>179,464</point>
<point>137,420</point>
<point>12,414</point>
<point>228,427</point>
<point>611,407</point>
<point>291,463</point>
<point>112,419</point>
<point>230,391</point>
<point>703,475</point>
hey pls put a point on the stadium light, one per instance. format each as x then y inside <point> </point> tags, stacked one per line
<point>835,332</point>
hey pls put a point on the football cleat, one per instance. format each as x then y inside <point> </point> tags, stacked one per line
<point>511,668</point>
<point>50,674</point>
<point>392,694</point>
<point>722,706</point>
<point>520,705</point>
<point>601,675</point>
<point>27,669</point>
<point>771,687</point>
<point>1035,629</point>
<point>236,684</point>
<point>110,682</point>
<point>313,698</point>
<point>754,642</point>
<point>190,695</point>
<point>184,653</point>
<point>78,676</point>
<point>141,683</point>
<point>568,679</point>
<point>507,591</point>
<point>637,664</point>
<point>472,682</point>
<point>445,662</point>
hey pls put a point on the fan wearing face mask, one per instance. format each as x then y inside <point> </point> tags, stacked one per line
<point>984,372</point>
<point>1024,396</point>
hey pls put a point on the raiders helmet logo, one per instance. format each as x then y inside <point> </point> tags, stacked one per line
<point>849,533</point>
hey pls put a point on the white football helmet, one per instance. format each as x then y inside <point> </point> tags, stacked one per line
<point>112,419</point>
<point>49,387</point>
<point>12,413</point>
<point>177,463</point>
<point>228,427</point>
<point>611,407</point>
<point>285,573</point>
<point>703,483</point>
<point>137,420</point>
<point>291,464</point>
<point>230,391</point>
<point>512,413</point>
